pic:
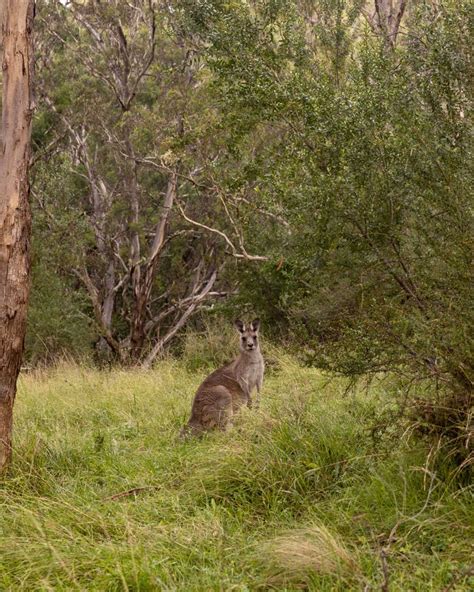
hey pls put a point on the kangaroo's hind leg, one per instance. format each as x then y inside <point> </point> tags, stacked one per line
<point>217,411</point>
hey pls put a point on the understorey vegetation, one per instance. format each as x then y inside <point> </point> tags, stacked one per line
<point>300,495</point>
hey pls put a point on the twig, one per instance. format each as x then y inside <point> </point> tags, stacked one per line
<point>133,491</point>
<point>383,559</point>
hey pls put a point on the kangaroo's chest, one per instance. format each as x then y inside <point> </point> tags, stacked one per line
<point>251,376</point>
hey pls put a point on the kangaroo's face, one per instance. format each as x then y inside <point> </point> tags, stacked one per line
<point>248,335</point>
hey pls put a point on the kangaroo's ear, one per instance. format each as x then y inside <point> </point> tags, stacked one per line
<point>255,324</point>
<point>239,325</point>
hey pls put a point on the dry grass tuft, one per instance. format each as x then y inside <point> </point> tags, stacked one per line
<point>300,554</point>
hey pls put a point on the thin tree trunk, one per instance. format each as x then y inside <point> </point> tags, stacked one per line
<point>388,16</point>
<point>144,288</point>
<point>14,206</point>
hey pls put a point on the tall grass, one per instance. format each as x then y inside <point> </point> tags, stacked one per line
<point>103,496</point>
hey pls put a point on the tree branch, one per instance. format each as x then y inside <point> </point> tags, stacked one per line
<point>235,252</point>
<point>195,301</point>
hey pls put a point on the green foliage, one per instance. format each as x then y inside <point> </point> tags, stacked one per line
<point>296,496</point>
<point>372,168</point>
<point>115,123</point>
<point>210,347</point>
<point>58,319</point>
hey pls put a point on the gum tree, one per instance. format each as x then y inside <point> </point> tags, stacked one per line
<point>17,68</point>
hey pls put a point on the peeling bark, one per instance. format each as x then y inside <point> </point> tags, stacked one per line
<point>17,107</point>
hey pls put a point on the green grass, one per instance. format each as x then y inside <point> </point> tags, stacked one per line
<point>297,496</point>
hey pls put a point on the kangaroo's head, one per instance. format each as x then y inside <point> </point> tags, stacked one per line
<point>248,335</point>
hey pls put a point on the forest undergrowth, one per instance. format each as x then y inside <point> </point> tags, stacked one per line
<point>301,494</point>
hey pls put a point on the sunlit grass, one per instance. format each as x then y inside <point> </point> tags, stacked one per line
<point>103,496</point>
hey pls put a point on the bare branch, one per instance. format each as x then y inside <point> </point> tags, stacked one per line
<point>235,252</point>
<point>264,212</point>
<point>157,348</point>
<point>159,237</point>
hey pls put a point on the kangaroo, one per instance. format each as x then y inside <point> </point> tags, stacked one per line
<point>228,388</point>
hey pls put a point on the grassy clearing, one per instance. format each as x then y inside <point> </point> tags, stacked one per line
<point>297,496</point>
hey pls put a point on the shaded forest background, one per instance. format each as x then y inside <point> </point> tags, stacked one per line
<point>306,160</point>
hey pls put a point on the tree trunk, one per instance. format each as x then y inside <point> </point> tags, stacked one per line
<point>14,206</point>
<point>388,16</point>
<point>143,288</point>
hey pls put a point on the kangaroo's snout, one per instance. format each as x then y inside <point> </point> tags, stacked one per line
<point>249,342</point>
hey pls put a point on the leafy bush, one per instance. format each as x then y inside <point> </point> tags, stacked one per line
<point>58,320</point>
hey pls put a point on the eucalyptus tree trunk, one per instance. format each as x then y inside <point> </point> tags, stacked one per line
<point>17,25</point>
<point>387,19</point>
